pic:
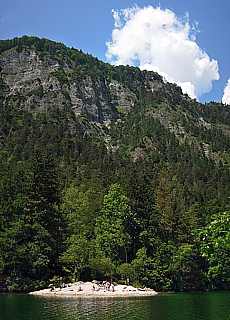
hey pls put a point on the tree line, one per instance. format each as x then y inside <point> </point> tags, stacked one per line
<point>72,208</point>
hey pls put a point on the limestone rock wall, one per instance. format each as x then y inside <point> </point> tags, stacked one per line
<point>37,83</point>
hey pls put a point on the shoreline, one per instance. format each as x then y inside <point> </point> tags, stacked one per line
<point>86,289</point>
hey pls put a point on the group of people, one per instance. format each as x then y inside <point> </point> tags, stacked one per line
<point>105,286</point>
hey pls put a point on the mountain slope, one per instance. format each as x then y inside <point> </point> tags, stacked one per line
<point>107,168</point>
<point>39,74</point>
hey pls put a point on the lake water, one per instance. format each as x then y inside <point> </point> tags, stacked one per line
<point>182,306</point>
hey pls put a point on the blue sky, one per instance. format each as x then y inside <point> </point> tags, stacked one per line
<point>90,25</point>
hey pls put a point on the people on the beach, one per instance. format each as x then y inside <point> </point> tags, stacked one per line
<point>106,286</point>
<point>95,287</point>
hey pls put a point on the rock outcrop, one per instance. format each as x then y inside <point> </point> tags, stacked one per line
<point>36,83</point>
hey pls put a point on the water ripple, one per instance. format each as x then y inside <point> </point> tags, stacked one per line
<point>208,306</point>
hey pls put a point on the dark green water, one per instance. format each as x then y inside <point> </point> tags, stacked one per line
<point>205,306</point>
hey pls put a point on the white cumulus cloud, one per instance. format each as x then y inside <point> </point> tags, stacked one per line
<point>226,95</point>
<point>158,40</point>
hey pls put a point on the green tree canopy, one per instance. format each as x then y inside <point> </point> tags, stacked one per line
<point>112,225</point>
<point>214,244</point>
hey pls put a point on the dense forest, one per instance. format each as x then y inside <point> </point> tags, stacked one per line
<point>144,197</point>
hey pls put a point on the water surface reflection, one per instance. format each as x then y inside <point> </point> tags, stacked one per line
<point>199,306</point>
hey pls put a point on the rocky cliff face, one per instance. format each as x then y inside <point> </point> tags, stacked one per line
<point>36,83</point>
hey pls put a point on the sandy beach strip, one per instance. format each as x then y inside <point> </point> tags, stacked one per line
<point>87,289</point>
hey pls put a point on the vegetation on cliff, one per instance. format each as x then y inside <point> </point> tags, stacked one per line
<point>140,192</point>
